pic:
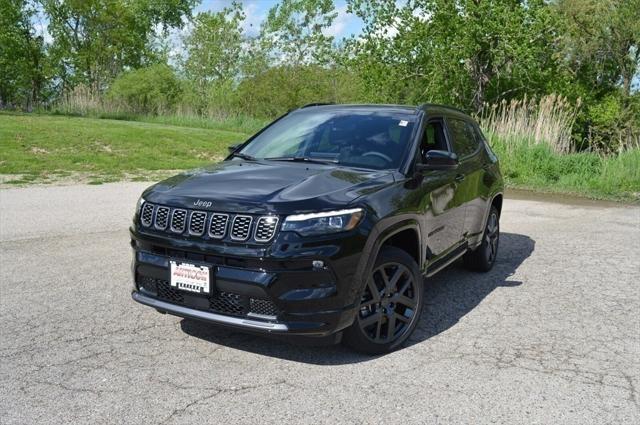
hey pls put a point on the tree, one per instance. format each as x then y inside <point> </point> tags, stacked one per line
<point>464,53</point>
<point>214,47</point>
<point>95,40</point>
<point>601,42</point>
<point>23,61</point>
<point>294,32</point>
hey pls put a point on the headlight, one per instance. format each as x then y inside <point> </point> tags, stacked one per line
<point>324,222</point>
<point>141,202</point>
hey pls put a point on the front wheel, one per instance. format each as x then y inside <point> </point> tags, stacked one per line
<point>390,304</point>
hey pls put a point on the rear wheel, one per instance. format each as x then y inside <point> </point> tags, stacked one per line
<point>390,304</point>
<point>483,257</point>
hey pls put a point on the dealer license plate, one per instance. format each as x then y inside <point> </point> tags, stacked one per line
<point>189,277</point>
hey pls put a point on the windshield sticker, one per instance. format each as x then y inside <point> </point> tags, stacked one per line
<point>403,123</point>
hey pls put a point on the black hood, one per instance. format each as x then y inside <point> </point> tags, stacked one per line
<point>267,186</point>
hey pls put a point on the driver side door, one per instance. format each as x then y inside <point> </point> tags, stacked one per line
<point>443,217</point>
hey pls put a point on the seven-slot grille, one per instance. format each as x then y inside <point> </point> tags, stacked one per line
<point>197,222</point>
<point>266,228</point>
<point>214,225</point>
<point>241,227</point>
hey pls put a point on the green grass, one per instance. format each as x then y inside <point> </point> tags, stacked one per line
<point>537,167</point>
<point>41,147</point>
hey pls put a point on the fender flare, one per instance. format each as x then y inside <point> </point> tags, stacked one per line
<point>381,232</point>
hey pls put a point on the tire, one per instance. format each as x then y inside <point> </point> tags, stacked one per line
<point>484,257</point>
<point>384,322</point>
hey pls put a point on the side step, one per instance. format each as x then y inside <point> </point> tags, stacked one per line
<point>447,259</point>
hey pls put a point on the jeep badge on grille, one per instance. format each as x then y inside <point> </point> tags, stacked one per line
<point>203,204</point>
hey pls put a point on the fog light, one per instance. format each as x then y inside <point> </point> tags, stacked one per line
<point>317,264</point>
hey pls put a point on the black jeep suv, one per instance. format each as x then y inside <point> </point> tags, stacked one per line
<point>322,224</point>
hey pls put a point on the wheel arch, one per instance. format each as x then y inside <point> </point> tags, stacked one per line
<point>394,231</point>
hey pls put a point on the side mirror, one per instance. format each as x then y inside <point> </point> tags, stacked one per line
<point>438,160</point>
<point>234,148</point>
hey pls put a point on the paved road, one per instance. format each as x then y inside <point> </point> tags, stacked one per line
<point>551,335</point>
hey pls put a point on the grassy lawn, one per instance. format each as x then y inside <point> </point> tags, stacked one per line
<point>41,148</point>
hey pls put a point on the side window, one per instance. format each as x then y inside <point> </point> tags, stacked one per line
<point>464,139</point>
<point>433,138</point>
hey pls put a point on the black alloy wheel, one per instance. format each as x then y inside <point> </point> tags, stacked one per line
<point>390,304</point>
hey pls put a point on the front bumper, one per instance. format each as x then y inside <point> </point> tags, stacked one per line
<point>292,296</point>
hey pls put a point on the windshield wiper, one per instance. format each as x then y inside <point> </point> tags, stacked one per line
<point>302,159</point>
<point>243,156</point>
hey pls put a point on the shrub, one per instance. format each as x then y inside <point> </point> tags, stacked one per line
<point>151,90</point>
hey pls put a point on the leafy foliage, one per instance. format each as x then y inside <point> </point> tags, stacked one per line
<point>154,89</point>
<point>24,67</point>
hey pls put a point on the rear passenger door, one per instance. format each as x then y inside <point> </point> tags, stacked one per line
<point>469,173</point>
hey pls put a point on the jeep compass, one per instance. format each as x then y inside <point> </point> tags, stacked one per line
<point>323,224</point>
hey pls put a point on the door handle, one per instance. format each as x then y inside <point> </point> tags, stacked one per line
<point>459,177</point>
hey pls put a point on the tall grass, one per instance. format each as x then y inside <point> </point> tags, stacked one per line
<point>548,120</point>
<point>538,167</point>
<point>533,141</point>
<point>82,101</point>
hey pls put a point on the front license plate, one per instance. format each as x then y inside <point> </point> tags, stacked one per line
<point>189,277</point>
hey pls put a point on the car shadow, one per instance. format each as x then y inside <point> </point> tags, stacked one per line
<point>449,296</point>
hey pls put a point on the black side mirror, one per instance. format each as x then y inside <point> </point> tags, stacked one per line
<point>234,148</point>
<point>438,160</point>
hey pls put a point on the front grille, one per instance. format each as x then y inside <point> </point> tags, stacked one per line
<point>228,303</point>
<point>221,302</point>
<point>197,222</point>
<point>262,307</point>
<point>266,228</point>
<point>162,218</point>
<point>241,227</point>
<point>218,225</point>
<point>209,225</point>
<point>178,220</point>
<point>169,293</point>
<point>146,217</point>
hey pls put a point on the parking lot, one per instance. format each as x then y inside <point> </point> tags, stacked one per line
<point>551,335</point>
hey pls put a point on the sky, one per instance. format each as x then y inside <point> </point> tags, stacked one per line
<point>344,25</point>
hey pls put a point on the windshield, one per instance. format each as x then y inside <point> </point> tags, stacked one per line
<point>366,139</point>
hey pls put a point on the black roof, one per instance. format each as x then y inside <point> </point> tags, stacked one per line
<point>426,107</point>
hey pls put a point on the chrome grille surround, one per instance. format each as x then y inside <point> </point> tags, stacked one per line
<point>178,220</point>
<point>162,218</point>
<point>241,227</point>
<point>146,214</point>
<point>218,225</point>
<point>197,222</point>
<point>265,228</point>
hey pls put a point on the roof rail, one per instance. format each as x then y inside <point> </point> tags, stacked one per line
<point>436,105</point>
<point>308,105</point>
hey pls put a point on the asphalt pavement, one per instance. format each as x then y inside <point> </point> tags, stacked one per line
<point>550,335</point>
